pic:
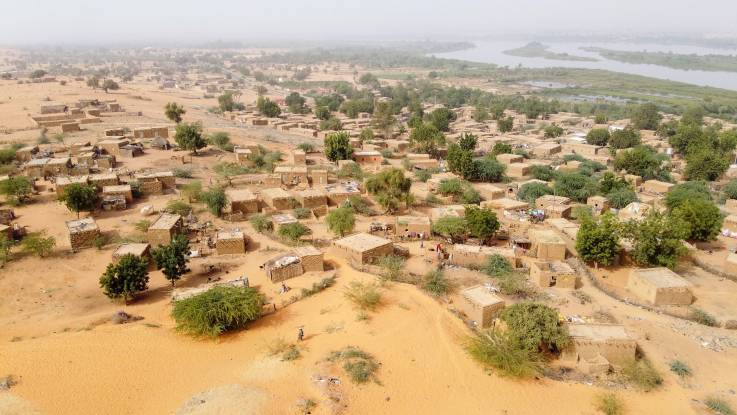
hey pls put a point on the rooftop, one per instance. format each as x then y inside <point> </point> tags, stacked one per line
<point>283,218</point>
<point>308,250</point>
<point>81,225</point>
<point>135,249</point>
<point>601,332</point>
<point>481,295</point>
<point>230,235</point>
<point>275,193</point>
<point>240,195</point>
<point>166,221</point>
<point>662,277</point>
<point>415,220</point>
<point>362,242</point>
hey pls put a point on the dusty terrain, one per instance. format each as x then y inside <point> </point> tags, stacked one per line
<point>55,338</point>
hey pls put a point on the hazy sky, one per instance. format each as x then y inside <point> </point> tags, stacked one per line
<point>100,21</point>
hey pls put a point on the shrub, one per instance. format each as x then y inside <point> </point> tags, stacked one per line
<point>5,245</point>
<point>680,368</point>
<point>143,225</point>
<point>182,172</point>
<point>620,198</point>
<point>220,140</point>
<point>436,283</point>
<point>359,205</point>
<point>38,244</point>
<point>302,213</point>
<point>318,286</point>
<point>642,374</point>
<point>260,222</point>
<point>351,170</point>
<point>498,350</point>
<point>365,296</point>
<point>541,172</point>
<point>529,192</point>
<point>497,266</point>
<point>393,267</point>
<point>178,207</point>
<point>215,200</point>
<point>293,231</point>
<point>535,326</point>
<point>306,147</point>
<point>359,365</point>
<point>341,221</point>
<point>702,317</point>
<point>609,404</point>
<point>217,310</point>
<point>730,189</point>
<point>514,284</point>
<point>719,406</point>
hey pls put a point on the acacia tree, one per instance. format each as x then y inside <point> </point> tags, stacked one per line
<point>189,136</point>
<point>172,259</point>
<point>174,112</point>
<point>390,187</point>
<point>341,221</point>
<point>80,197</point>
<point>338,146</point>
<point>657,239</point>
<point>17,189</point>
<point>383,118</point>
<point>703,218</point>
<point>482,222</point>
<point>110,85</point>
<point>125,278</point>
<point>597,241</point>
<point>451,227</point>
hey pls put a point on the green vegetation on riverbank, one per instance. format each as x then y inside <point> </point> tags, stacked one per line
<point>538,50</point>
<point>695,62</point>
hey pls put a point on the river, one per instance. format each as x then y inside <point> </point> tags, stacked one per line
<point>492,52</point>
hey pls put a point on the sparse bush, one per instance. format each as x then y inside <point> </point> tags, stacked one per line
<point>497,266</point>
<point>365,296</point>
<point>609,404</point>
<point>292,353</point>
<point>302,213</point>
<point>680,368</point>
<point>359,365</point>
<point>500,351</point>
<point>642,374</point>
<point>143,225</point>
<point>38,244</point>
<point>719,406</point>
<point>178,207</point>
<point>293,231</point>
<point>318,286</point>
<point>306,147</point>
<point>393,267</point>
<point>215,200</point>
<point>182,172</point>
<point>260,222</point>
<point>220,309</point>
<point>359,205</point>
<point>514,284</point>
<point>100,241</point>
<point>436,283</point>
<point>702,317</point>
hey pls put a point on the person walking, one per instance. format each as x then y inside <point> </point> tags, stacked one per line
<point>300,334</point>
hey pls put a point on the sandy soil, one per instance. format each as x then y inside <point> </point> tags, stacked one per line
<point>56,341</point>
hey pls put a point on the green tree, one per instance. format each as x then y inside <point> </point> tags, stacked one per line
<point>383,118</point>
<point>17,189</point>
<point>597,240</point>
<point>338,146</point>
<point>451,227</point>
<point>553,131</point>
<point>703,218</point>
<point>625,138</point>
<point>125,278</point>
<point>598,137</point>
<point>174,112</point>
<point>38,73</point>
<point>268,107</point>
<point>542,172</point>
<point>488,170</point>
<point>468,142</point>
<point>80,197</point>
<point>501,148</point>
<point>296,103</point>
<point>682,192</point>
<point>331,124</point>
<point>460,161</point>
<point>441,118</point>
<point>505,125</point>
<point>221,140</point>
<point>529,192</point>
<point>341,221</point>
<point>220,309</point>
<point>706,165</point>
<point>481,114</point>
<point>189,136</point>
<point>38,244</point>
<point>227,102</point>
<point>576,186</point>
<point>693,115</point>
<point>657,239</point>
<point>482,222</point>
<point>426,138</point>
<point>620,198</point>
<point>215,200</point>
<point>390,187</point>
<point>93,82</point>
<point>322,113</point>
<point>293,231</point>
<point>172,259</point>
<point>646,117</point>
<point>730,189</point>
<point>110,85</point>
<point>640,160</point>
<point>366,134</point>
<point>535,327</point>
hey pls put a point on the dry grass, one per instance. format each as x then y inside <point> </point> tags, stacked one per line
<point>365,296</point>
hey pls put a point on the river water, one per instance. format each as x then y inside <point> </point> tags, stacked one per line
<point>492,52</point>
